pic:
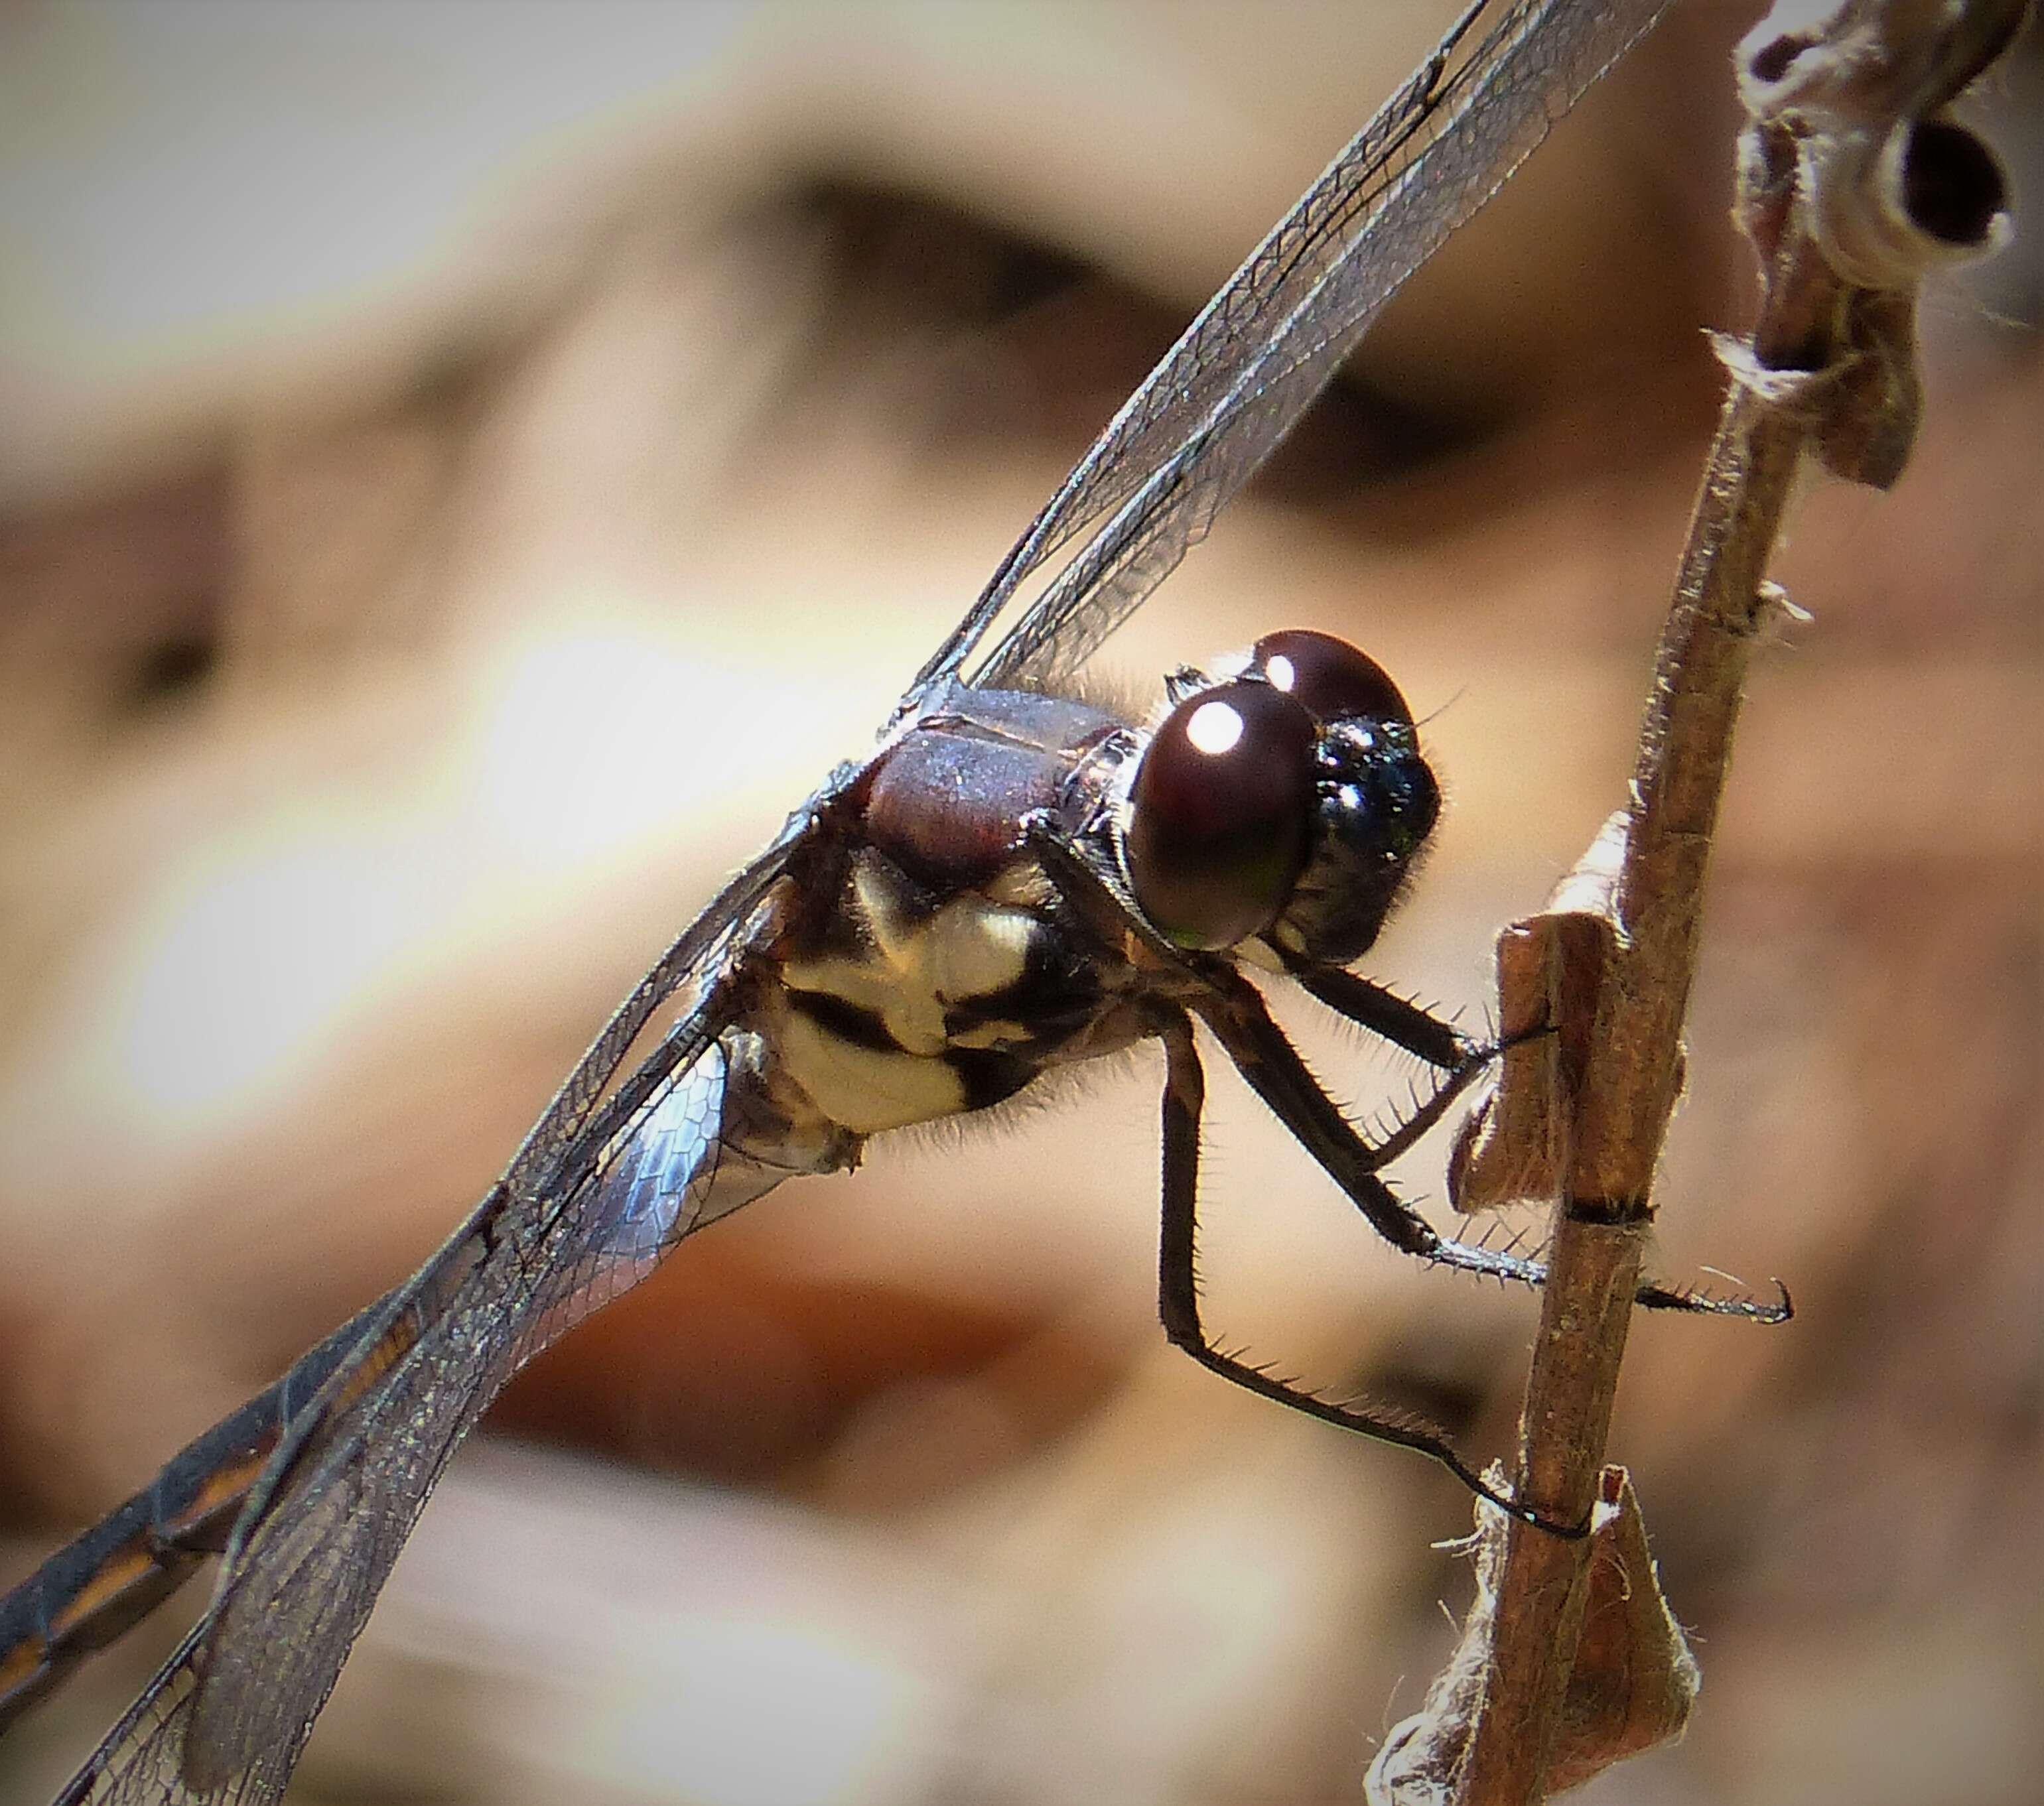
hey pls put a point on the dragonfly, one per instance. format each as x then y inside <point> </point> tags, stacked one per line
<point>1012,881</point>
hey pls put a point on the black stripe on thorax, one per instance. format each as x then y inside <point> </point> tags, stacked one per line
<point>849,1022</point>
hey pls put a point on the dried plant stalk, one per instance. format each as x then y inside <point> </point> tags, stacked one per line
<point>1852,184</point>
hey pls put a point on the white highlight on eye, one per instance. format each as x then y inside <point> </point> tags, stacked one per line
<point>1280,673</point>
<point>1215,728</point>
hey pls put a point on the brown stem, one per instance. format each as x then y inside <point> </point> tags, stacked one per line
<point>1627,1091</point>
<point>1830,370</point>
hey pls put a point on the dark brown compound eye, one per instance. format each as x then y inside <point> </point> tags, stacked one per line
<point>1220,814</point>
<point>1334,681</point>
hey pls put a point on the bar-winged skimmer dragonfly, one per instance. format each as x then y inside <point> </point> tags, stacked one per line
<point>1012,881</point>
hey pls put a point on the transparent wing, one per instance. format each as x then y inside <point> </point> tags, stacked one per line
<point>603,1187</point>
<point>1231,389</point>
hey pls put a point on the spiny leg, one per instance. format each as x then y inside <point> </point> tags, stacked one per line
<point>1177,1287</point>
<point>1088,881</point>
<point>1234,1009</point>
<point>1383,1013</point>
<point>1391,1018</point>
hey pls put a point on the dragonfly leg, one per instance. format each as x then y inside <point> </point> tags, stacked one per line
<point>1234,1009</point>
<point>1178,1290</point>
<point>1393,1019</point>
<point>1086,878</point>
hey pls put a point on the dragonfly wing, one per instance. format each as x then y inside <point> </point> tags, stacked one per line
<point>226,1718</point>
<point>603,1188</point>
<point>141,1757</point>
<point>1253,362</point>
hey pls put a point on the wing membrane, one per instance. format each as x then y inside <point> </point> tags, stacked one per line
<point>603,1188</point>
<point>1234,385</point>
<point>225,1720</point>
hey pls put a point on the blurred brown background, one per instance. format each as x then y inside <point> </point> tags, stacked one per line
<point>465,471</point>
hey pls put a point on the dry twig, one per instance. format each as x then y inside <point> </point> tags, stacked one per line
<point>1853,183</point>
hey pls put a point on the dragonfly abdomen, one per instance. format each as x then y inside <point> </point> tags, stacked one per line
<point>120,1570</point>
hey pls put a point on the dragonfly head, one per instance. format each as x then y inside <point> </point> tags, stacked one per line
<point>1287,800</point>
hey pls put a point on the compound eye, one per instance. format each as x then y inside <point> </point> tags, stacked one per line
<point>1334,681</point>
<point>1220,814</point>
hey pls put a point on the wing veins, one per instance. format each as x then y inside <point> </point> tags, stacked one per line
<point>195,1733</point>
<point>1258,353</point>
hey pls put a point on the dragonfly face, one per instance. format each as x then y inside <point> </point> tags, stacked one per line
<point>1290,803</point>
